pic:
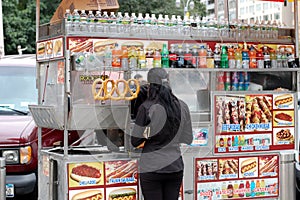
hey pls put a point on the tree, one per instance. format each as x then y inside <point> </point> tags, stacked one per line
<point>19,22</point>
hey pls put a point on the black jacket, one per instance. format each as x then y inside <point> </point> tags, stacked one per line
<point>161,152</point>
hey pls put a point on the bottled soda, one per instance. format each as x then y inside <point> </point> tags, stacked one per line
<point>164,56</point>
<point>217,57</point>
<point>273,58</point>
<point>210,58</point>
<point>224,57</point>
<point>231,59</point>
<point>195,56</point>
<point>124,58</point>
<point>202,61</point>
<point>180,57</point>
<point>142,58</point>
<point>133,58</point>
<point>238,58</point>
<point>83,21</point>
<point>291,58</point>
<point>173,57</point>
<point>91,21</point>
<point>260,59</point>
<point>157,58</point>
<point>68,20</point>
<point>267,61</point>
<point>116,58</point>
<point>245,57</point>
<point>278,58</point>
<point>187,57</point>
<point>149,57</point>
<point>252,56</point>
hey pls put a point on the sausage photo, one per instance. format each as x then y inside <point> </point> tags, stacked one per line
<point>85,172</point>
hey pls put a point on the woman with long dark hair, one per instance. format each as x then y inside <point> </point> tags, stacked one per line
<point>167,122</point>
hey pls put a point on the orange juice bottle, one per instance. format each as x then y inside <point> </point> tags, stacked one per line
<point>116,58</point>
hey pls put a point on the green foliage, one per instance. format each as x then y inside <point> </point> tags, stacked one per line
<point>19,22</point>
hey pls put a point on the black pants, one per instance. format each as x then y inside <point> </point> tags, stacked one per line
<point>161,186</point>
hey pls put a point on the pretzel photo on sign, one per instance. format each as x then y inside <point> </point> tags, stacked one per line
<point>111,89</point>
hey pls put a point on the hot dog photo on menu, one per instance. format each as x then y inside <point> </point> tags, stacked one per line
<point>121,172</point>
<point>87,194</point>
<point>85,174</point>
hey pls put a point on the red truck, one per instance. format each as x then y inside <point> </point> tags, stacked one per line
<point>18,132</point>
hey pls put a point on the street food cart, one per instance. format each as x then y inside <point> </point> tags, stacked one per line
<point>243,138</point>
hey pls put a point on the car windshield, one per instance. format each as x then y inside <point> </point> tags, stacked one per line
<point>17,86</point>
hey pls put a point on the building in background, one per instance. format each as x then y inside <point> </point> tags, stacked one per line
<point>250,9</point>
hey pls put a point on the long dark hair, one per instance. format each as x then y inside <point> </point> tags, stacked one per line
<point>161,92</point>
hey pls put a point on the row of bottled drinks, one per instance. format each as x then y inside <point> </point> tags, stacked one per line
<point>189,55</point>
<point>104,22</point>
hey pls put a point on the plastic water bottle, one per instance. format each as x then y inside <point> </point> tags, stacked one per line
<point>126,22</point>
<point>179,25</point>
<point>68,20</point>
<point>160,24</point>
<point>105,22</point>
<point>147,23</point>
<point>97,21</point>
<point>108,57</point>
<point>140,23</point>
<point>133,23</point>
<point>76,21</point>
<point>120,27</point>
<point>112,22</point>
<point>83,21</point>
<point>153,23</point>
<point>91,21</point>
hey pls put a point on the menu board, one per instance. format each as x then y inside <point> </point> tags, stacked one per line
<point>246,177</point>
<point>254,122</point>
<point>49,49</point>
<point>103,180</point>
